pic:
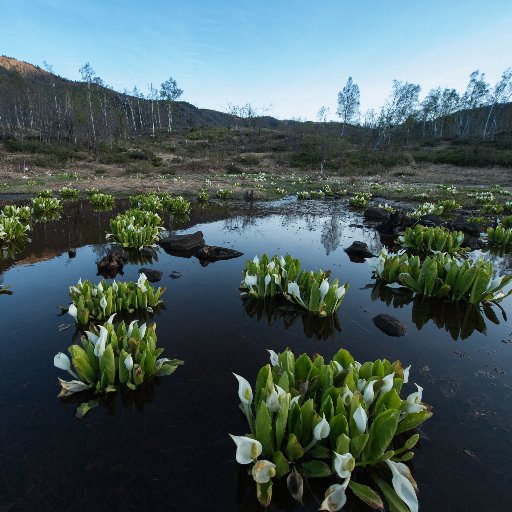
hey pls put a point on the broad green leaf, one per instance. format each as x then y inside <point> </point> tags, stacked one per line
<point>282,466</point>
<point>381,434</point>
<point>294,449</point>
<point>82,365</point>
<point>281,421</point>
<point>316,469</point>
<point>366,494</point>
<point>264,429</point>
<point>413,420</point>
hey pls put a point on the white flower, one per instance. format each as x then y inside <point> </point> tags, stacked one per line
<point>361,384</point>
<point>402,485</point>
<point>360,419</point>
<point>322,429</point>
<point>347,394</point>
<point>338,366</point>
<point>387,383</point>
<point>244,390</point>
<point>111,318</point>
<point>294,400</point>
<point>114,286</point>
<point>263,471</point>
<point>369,394</point>
<point>335,497</point>
<point>99,288</point>
<point>324,288</point>
<point>273,401</point>
<point>414,401</point>
<point>141,282</point>
<point>99,348</point>
<point>128,362</point>
<point>406,374</point>
<point>294,291</point>
<point>344,464</point>
<point>130,328</point>
<point>256,260</point>
<point>271,266</point>
<point>62,362</point>
<point>247,449</point>
<point>250,280</point>
<point>274,358</point>
<point>268,278</point>
<point>103,304</point>
<point>73,311</point>
<point>72,386</point>
<point>340,292</point>
<point>142,330</point>
<point>282,262</point>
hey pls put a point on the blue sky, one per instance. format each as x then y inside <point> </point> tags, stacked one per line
<point>290,56</point>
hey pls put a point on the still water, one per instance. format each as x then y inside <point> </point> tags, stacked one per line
<point>167,446</point>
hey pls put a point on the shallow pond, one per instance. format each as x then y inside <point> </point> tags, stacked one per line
<point>167,446</point>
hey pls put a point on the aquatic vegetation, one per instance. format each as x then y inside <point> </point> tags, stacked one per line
<point>108,359</point>
<point>360,200</point>
<point>22,213</point>
<point>43,205</point>
<point>449,205</point>
<point>312,418</point>
<point>388,266</point>
<point>224,193</point>
<point>45,193</point>
<point>494,208</point>
<point>317,194</point>
<point>268,277</point>
<point>91,191</point>
<point>280,191</point>
<point>427,209</point>
<point>506,222</point>
<point>203,196</point>
<point>386,207</point>
<point>481,197</point>
<point>327,190</point>
<point>5,290</point>
<point>304,194</point>
<point>150,202</point>
<point>69,193</point>
<point>427,239</point>
<point>102,201</point>
<point>499,236</point>
<point>100,301</point>
<point>499,190</point>
<point>176,205</point>
<point>136,228</point>
<point>449,189</point>
<point>12,230</point>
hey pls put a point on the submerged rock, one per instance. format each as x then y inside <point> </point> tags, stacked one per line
<point>182,243</point>
<point>390,325</point>
<point>152,274</point>
<point>71,253</point>
<point>175,274</point>
<point>375,214</point>
<point>472,242</point>
<point>112,264</point>
<point>358,251</point>
<point>211,253</point>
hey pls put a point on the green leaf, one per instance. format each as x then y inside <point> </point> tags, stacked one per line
<point>342,444</point>
<point>320,452</point>
<point>338,425</point>
<point>82,364</point>
<point>381,434</point>
<point>107,367</point>
<point>357,444</point>
<point>264,429</point>
<point>316,469</point>
<point>394,502</point>
<point>282,466</point>
<point>263,384</point>
<point>413,420</point>
<point>308,411</point>
<point>281,420</point>
<point>366,494</point>
<point>303,365</point>
<point>264,493</point>
<point>123,372</point>
<point>84,408</point>
<point>293,448</point>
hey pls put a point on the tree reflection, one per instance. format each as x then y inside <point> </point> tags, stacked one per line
<point>331,235</point>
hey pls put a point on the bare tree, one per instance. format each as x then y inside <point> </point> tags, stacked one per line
<point>88,76</point>
<point>348,103</point>
<point>170,92</point>
<point>500,94</point>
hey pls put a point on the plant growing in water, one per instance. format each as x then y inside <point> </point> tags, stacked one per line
<point>224,193</point>
<point>12,230</point>
<point>136,228</point>
<point>46,205</point>
<point>176,205</point>
<point>22,213</point>
<point>427,239</point>
<point>499,236</point>
<point>108,358</point>
<point>449,205</point>
<point>97,302</point>
<point>312,418</point>
<point>150,202</point>
<point>427,209</point>
<point>360,200</point>
<point>102,201</point>
<point>46,192</point>
<point>203,196</point>
<point>69,193</point>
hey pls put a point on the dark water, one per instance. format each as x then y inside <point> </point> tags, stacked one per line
<point>167,447</point>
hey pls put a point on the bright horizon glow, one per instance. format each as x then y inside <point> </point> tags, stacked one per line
<point>288,57</point>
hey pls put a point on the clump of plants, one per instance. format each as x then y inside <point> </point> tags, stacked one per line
<point>203,196</point>
<point>102,201</point>
<point>360,200</point>
<point>427,209</point>
<point>506,222</point>
<point>386,207</point>
<point>12,230</point>
<point>303,194</point>
<point>91,191</point>
<point>98,302</point>
<point>493,208</point>
<point>136,229</point>
<point>424,239</point>
<point>69,193</point>
<point>268,277</point>
<point>176,205</point>
<point>223,193</point>
<point>449,205</point>
<point>317,194</point>
<point>108,358</point>
<point>499,236</point>
<point>311,418</point>
<point>43,205</point>
<point>22,213</point>
<point>46,192</point>
<point>150,202</point>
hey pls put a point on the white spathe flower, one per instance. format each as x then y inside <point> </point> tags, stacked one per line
<point>387,383</point>
<point>406,374</point>
<point>268,278</point>
<point>141,282</point>
<point>272,401</point>
<point>99,287</point>
<point>111,318</point>
<point>347,394</point>
<point>130,327</point>
<point>263,471</point>
<point>360,419</point>
<point>250,280</point>
<point>72,386</point>
<point>244,390</point>
<point>274,358</point>
<point>114,285</point>
<point>256,260</point>
<point>103,304</point>
<point>62,362</point>
<point>74,289</point>
<point>294,400</point>
<point>414,401</point>
<point>369,394</point>
<point>322,429</point>
<point>247,449</point>
<point>402,485</point>
<point>73,311</point>
<point>335,497</point>
<point>294,291</point>
<point>361,384</point>
<point>142,330</point>
<point>324,288</point>
<point>282,262</point>
<point>128,362</point>
<point>99,348</point>
<point>338,367</point>
<point>344,464</point>
<point>340,292</point>
<point>271,266</point>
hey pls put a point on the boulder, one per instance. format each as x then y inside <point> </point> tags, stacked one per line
<point>469,228</point>
<point>152,274</point>
<point>211,253</point>
<point>112,264</point>
<point>430,221</point>
<point>390,325</point>
<point>375,214</point>
<point>395,223</point>
<point>182,243</point>
<point>358,251</point>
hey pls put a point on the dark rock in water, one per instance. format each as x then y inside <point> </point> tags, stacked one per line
<point>112,264</point>
<point>469,228</point>
<point>71,253</point>
<point>210,253</point>
<point>394,223</point>
<point>472,242</point>
<point>430,221</point>
<point>152,274</point>
<point>375,214</point>
<point>182,243</point>
<point>358,251</point>
<point>148,253</point>
<point>249,195</point>
<point>175,275</point>
<point>390,325</point>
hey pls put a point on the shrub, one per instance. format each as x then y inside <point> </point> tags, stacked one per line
<point>427,239</point>
<point>339,418</point>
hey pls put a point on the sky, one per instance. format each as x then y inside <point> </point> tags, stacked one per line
<point>286,57</point>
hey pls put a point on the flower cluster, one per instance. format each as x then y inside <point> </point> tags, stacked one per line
<point>267,277</point>
<point>360,200</point>
<point>150,202</point>
<point>136,228</point>
<point>312,418</point>
<point>69,193</point>
<point>22,213</point>
<point>224,193</point>
<point>43,205</point>
<point>102,201</point>
<point>427,209</point>
<point>98,302</point>
<point>176,205</point>
<point>423,239</point>
<point>12,230</point>
<point>203,196</point>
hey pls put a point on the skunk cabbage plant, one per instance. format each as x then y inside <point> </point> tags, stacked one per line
<point>136,229</point>
<point>360,200</point>
<point>108,358</point>
<point>43,205</point>
<point>176,205</point>
<point>69,193</point>
<point>22,213</point>
<point>499,236</point>
<point>102,201</point>
<point>150,202</point>
<point>423,240</point>
<point>98,302</point>
<point>342,419</point>
<point>12,230</point>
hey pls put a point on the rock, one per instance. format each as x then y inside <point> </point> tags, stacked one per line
<point>211,253</point>
<point>152,274</point>
<point>469,228</point>
<point>375,214</point>
<point>112,264</point>
<point>472,242</point>
<point>148,253</point>
<point>182,243</point>
<point>175,275</point>
<point>358,251</point>
<point>249,195</point>
<point>71,253</point>
<point>390,325</point>
<point>395,223</point>
<point>430,220</point>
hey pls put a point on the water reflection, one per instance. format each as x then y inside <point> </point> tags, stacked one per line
<point>277,309</point>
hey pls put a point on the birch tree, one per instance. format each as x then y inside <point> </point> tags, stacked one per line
<point>348,103</point>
